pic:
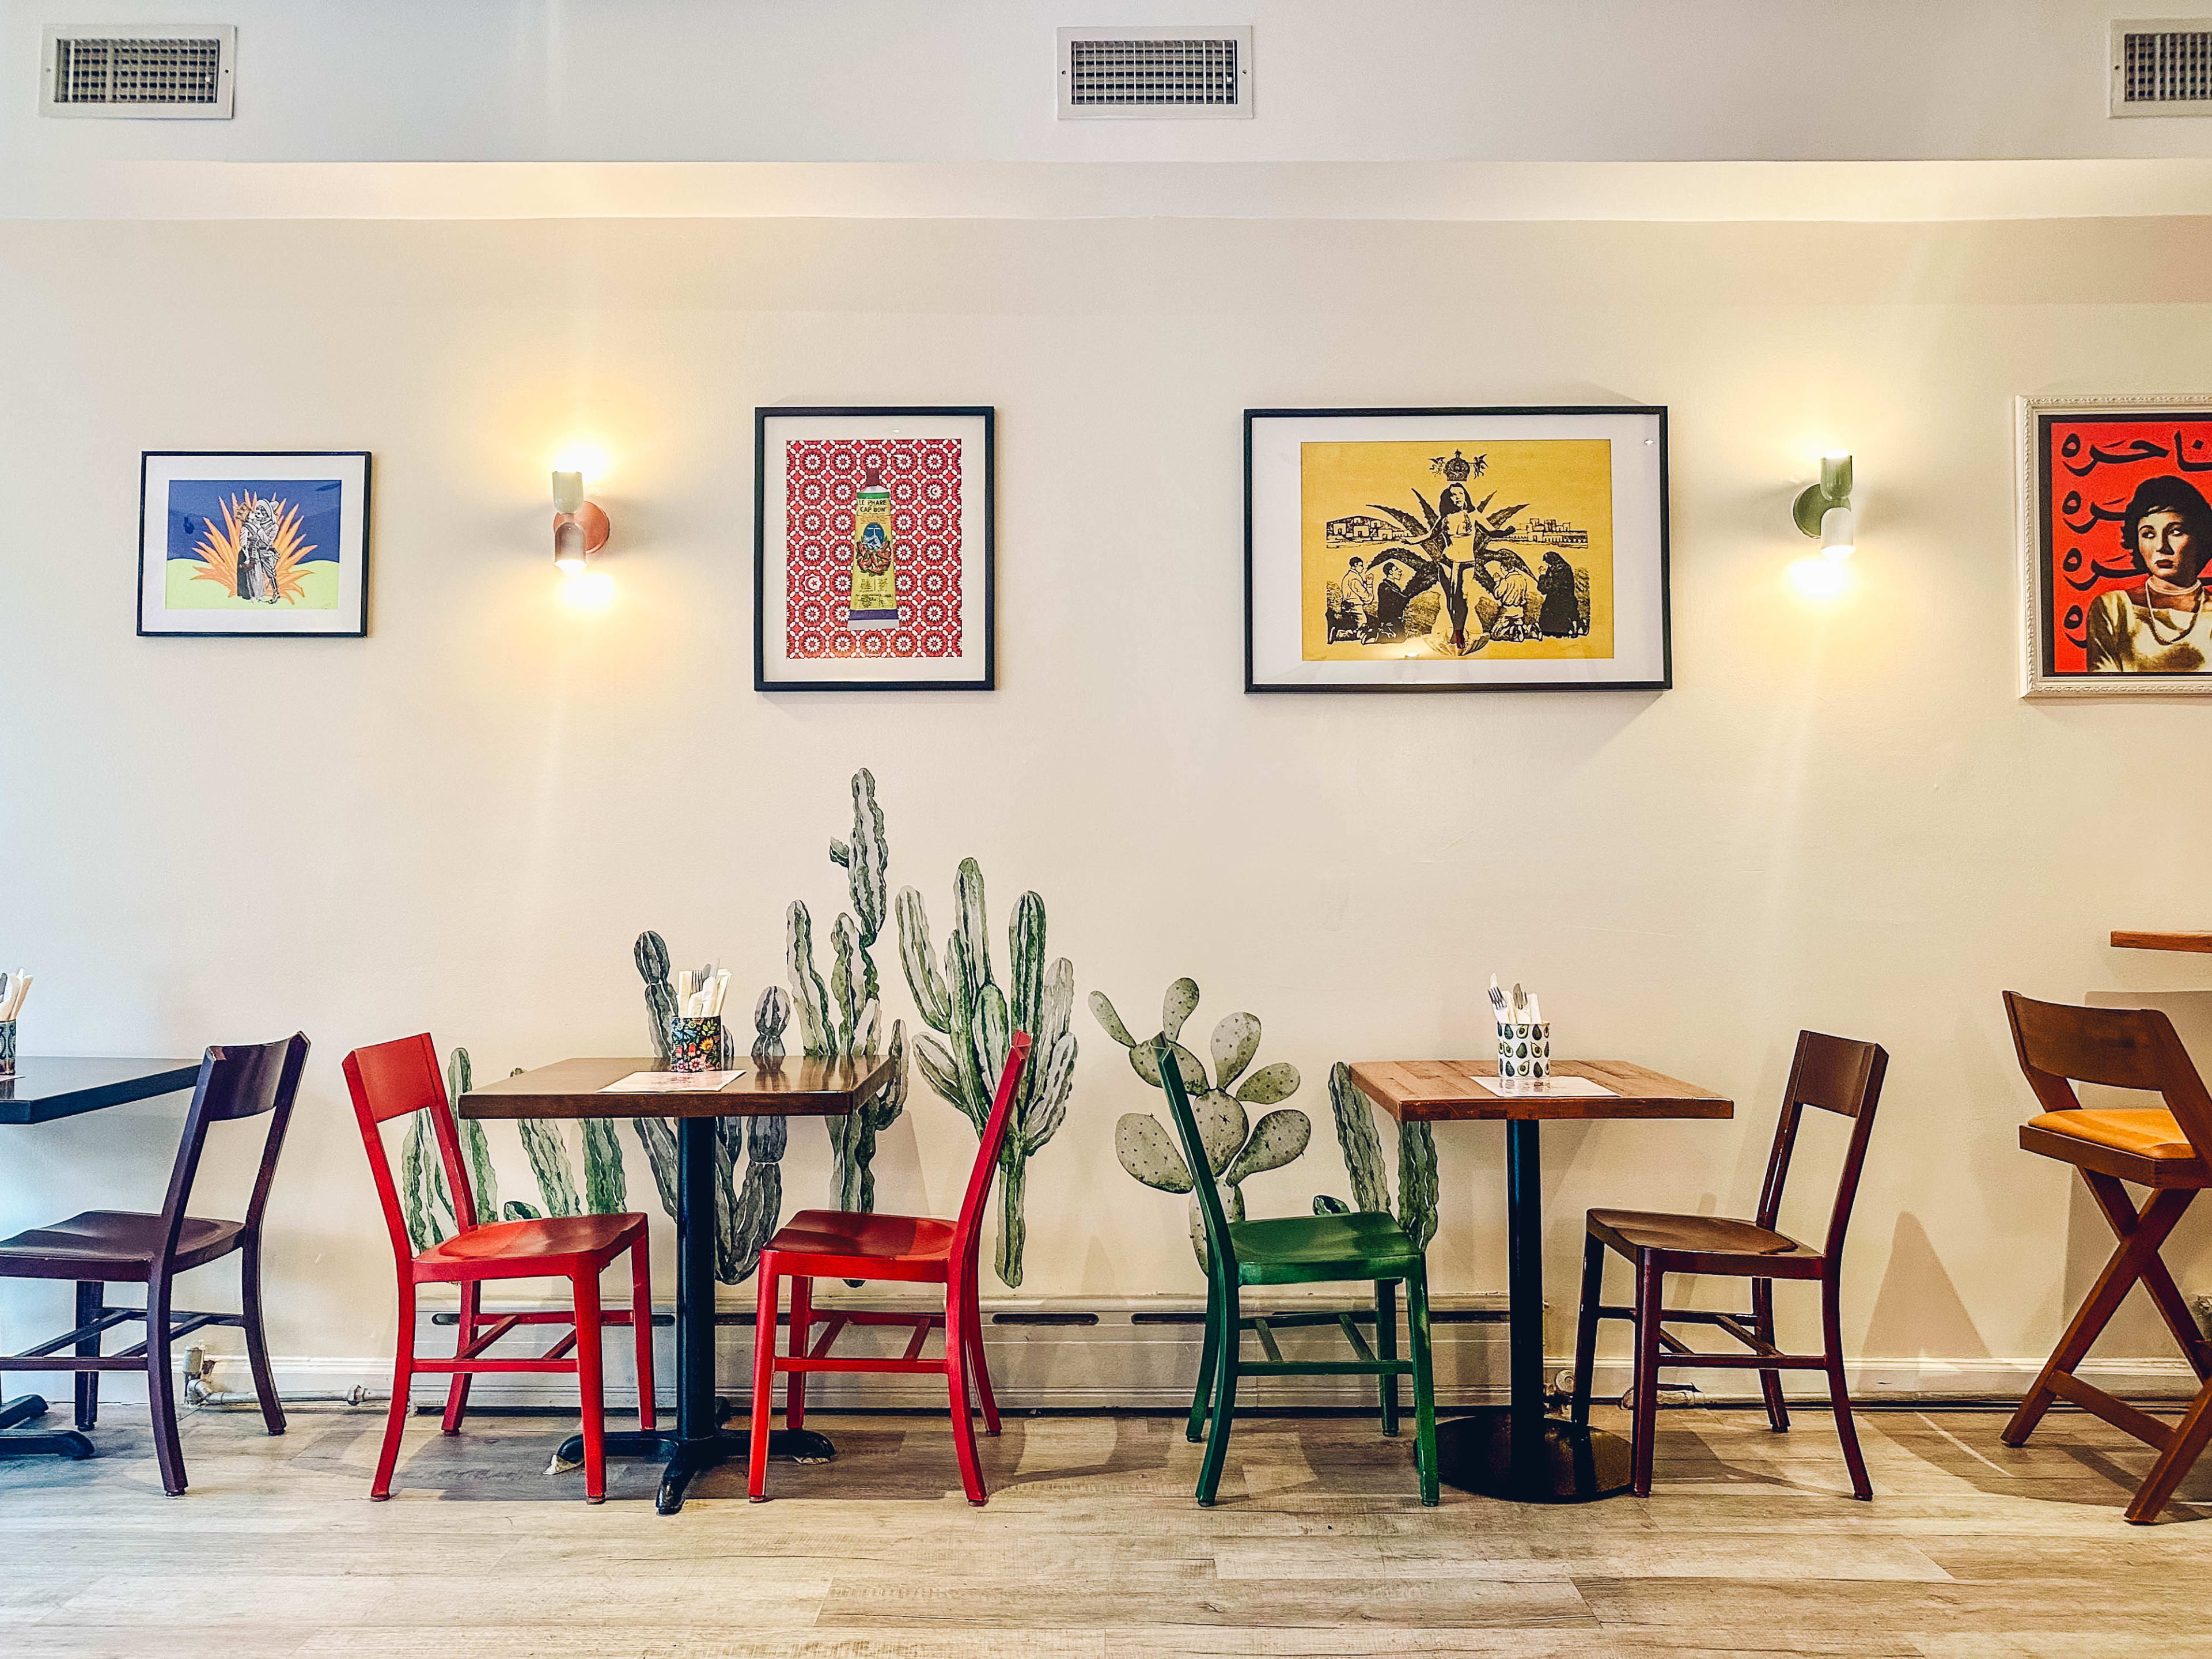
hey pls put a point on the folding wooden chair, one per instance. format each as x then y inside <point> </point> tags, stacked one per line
<point>2169,1153</point>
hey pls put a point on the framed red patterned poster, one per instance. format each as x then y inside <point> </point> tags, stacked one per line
<point>872,549</point>
<point>2116,535</point>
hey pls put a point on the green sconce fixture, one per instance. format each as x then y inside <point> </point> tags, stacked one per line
<point>1825,510</point>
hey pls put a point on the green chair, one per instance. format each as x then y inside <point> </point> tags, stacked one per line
<point>1301,1249</point>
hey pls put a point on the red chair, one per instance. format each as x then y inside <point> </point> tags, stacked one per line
<point>916,1249</point>
<point>395,1080</point>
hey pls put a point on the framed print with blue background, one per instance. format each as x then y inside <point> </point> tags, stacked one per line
<point>872,549</point>
<point>253,542</point>
<point>1456,549</point>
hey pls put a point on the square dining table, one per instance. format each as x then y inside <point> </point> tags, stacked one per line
<point>1517,1451</point>
<point>796,1086</point>
<point>45,1088</point>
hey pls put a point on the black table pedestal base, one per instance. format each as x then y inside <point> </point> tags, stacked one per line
<point>1570,1465</point>
<point>63,1443</point>
<point>689,1458</point>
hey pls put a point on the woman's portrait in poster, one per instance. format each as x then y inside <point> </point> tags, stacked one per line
<point>2157,625</point>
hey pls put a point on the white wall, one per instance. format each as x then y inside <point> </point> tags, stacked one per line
<point>972,80</point>
<point>1842,817</point>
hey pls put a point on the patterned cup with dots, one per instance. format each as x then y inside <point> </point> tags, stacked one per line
<point>1524,1052</point>
<point>7,1048</point>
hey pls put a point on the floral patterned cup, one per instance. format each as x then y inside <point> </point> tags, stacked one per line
<point>1524,1052</point>
<point>695,1043</point>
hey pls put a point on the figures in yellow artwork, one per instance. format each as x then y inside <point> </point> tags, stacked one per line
<point>1530,578</point>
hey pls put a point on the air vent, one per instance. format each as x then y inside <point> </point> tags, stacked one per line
<point>167,72</point>
<point>1190,74</point>
<point>2161,66</point>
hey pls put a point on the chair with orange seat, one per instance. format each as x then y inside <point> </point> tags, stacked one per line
<point>2169,1153</point>
<point>396,1079</point>
<point>915,1249</point>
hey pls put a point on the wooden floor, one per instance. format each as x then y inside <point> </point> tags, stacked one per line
<point>1091,1546</point>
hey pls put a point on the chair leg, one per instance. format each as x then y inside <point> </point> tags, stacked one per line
<point>2189,1436</point>
<point>465,1332</point>
<point>2137,1246</point>
<point>1649,1278</point>
<point>979,1368</point>
<point>1424,1382</point>
<point>590,1384</point>
<point>91,1303</point>
<point>963,1422</point>
<point>257,1342</point>
<point>1586,1325</point>
<point>1832,1347</point>
<point>1386,1347</point>
<point>1227,1324</point>
<point>763,1379</point>
<point>640,1319</point>
<point>402,1381</point>
<point>802,1332</point>
<point>162,1387</point>
<point>1209,1352</point>
<point>1769,1383</point>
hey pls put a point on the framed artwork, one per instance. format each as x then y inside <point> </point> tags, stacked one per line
<point>1456,549</point>
<point>253,542</point>
<point>872,549</point>
<point>2115,532</point>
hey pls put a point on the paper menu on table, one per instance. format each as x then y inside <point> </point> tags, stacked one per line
<point>1556,1087</point>
<point>671,1083</point>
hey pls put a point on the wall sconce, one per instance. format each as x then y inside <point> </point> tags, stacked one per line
<point>580,528</point>
<point>1825,510</point>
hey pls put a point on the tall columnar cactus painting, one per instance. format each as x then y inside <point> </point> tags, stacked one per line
<point>428,1207</point>
<point>1235,1147</point>
<point>964,1003</point>
<point>844,1017</point>
<point>1362,1159</point>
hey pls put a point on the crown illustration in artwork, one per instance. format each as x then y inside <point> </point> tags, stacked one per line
<point>1456,468</point>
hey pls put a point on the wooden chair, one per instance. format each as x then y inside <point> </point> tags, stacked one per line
<point>100,1248</point>
<point>1835,1075</point>
<point>1300,1249</point>
<point>396,1079</point>
<point>912,1249</point>
<point>2169,1153</point>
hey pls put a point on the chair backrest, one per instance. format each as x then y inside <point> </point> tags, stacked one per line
<point>397,1079</point>
<point>234,1083</point>
<point>2060,1045</point>
<point>990,1146</point>
<point>1837,1075</point>
<point>1201,1168</point>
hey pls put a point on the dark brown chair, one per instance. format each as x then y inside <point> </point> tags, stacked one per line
<point>100,1248</point>
<point>2169,1153</point>
<point>1835,1074</point>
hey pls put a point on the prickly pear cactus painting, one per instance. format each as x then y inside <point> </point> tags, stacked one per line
<point>1362,1159</point>
<point>964,1003</point>
<point>1234,1146</point>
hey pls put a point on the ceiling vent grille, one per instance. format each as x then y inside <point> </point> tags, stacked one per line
<point>170,72</point>
<point>1168,74</point>
<point>2161,67</point>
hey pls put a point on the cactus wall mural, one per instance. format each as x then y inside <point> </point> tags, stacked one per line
<point>1362,1159</point>
<point>964,1004</point>
<point>1235,1147</point>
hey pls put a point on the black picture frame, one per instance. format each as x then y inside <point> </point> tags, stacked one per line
<point>1663,681</point>
<point>987,681</point>
<point>360,629</point>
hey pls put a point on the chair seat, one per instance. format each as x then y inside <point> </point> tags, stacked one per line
<point>118,1246</point>
<point>521,1246</point>
<point>854,1234</point>
<point>1631,1231</point>
<point>2144,1145</point>
<point>1295,1249</point>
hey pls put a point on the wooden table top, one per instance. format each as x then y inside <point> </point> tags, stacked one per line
<point>47,1087</point>
<point>2144,940</point>
<point>1454,1090</point>
<point>797,1086</point>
